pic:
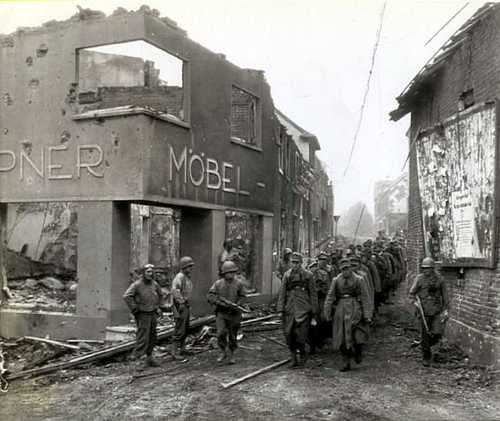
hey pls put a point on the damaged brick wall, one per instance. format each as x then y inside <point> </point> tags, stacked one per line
<point>475,311</point>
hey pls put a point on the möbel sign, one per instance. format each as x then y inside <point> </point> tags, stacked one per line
<point>200,170</point>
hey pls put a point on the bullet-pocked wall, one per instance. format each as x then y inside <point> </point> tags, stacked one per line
<point>468,76</point>
<point>63,142</point>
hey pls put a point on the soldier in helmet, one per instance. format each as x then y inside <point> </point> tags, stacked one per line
<point>430,288</point>
<point>298,304</point>
<point>226,294</point>
<point>144,298</point>
<point>182,288</point>
<point>285,263</point>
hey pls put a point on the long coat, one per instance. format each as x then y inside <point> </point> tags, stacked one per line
<point>298,298</point>
<point>351,298</point>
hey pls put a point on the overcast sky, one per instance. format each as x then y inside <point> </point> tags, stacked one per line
<point>316,55</point>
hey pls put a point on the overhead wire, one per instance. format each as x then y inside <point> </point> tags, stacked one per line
<point>367,88</point>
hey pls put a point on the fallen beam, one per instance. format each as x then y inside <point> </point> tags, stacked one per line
<point>273,340</point>
<point>51,342</point>
<point>258,319</point>
<point>103,353</point>
<point>87,341</point>
<point>255,373</point>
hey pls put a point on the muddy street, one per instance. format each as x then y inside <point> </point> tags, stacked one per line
<point>390,384</point>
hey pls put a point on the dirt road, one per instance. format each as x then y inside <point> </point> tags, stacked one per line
<point>390,384</point>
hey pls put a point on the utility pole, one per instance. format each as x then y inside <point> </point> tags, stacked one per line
<point>359,221</point>
<point>336,219</point>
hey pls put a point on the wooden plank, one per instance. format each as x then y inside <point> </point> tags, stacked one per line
<point>274,340</point>
<point>88,341</point>
<point>103,353</point>
<point>258,319</point>
<point>255,373</point>
<point>51,342</point>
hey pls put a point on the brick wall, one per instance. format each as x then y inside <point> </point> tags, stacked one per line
<point>166,99</point>
<point>475,299</point>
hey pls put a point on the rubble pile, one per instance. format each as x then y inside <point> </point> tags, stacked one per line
<point>47,293</point>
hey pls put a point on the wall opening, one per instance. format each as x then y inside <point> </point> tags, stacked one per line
<point>41,261</point>
<point>131,74</point>
<point>241,237</point>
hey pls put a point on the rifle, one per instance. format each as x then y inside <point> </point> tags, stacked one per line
<point>232,305</point>
<point>418,303</point>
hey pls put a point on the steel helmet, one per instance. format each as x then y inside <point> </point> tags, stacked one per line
<point>185,262</point>
<point>228,266</point>
<point>287,251</point>
<point>427,262</point>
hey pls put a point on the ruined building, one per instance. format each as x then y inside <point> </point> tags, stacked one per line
<point>453,192</point>
<point>147,146</point>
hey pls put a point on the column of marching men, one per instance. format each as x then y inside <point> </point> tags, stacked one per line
<point>337,296</point>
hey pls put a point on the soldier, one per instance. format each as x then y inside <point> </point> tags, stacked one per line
<point>348,292</point>
<point>321,330</point>
<point>366,260</point>
<point>360,271</point>
<point>429,289</point>
<point>144,298</point>
<point>182,288</point>
<point>285,263</point>
<point>298,304</point>
<point>226,294</point>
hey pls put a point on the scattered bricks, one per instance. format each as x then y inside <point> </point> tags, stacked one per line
<point>29,61</point>
<point>7,100</point>
<point>42,50</point>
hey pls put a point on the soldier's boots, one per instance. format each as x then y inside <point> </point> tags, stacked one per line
<point>294,361</point>
<point>346,366</point>
<point>303,358</point>
<point>347,363</point>
<point>358,354</point>
<point>230,357</point>
<point>222,356</point>
<point>151,362</point>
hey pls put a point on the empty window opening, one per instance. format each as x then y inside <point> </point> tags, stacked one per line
<point>131,74</point>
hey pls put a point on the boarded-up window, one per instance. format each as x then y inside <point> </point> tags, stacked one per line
<point>244,117</point>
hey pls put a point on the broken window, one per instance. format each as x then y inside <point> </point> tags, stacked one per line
<point>131,74</point>
<point>244,117</point>
<point>466,100</point>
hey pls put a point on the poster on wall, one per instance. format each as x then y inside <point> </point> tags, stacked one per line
<point>456,163</point>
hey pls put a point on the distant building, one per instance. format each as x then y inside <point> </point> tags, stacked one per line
<point>391,205</point>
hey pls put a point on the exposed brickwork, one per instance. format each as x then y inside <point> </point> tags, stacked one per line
<point>166,99</point>
<point>475,299</point>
